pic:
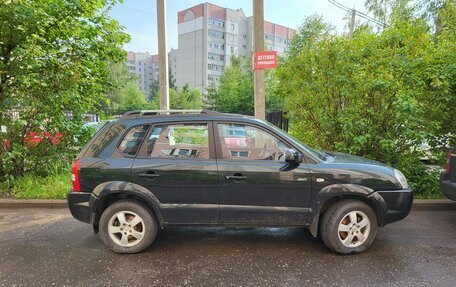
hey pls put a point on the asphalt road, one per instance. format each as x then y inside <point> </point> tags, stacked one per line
<point>49,248</point>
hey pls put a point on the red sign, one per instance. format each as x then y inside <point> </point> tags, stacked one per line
<point>265,60</point>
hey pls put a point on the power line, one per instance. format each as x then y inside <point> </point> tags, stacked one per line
<point>362,15</point>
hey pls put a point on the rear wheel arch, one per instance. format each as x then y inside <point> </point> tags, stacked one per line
<point>133,192</point>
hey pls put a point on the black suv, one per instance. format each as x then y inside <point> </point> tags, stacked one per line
<point>151,169</point>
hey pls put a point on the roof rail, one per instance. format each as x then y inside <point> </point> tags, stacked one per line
<point>138,113</point>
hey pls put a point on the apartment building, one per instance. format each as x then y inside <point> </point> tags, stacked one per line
<point>145,67</point>
<point>209,35</point>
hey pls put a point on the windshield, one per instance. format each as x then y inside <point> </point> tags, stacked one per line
<point>315,152</point>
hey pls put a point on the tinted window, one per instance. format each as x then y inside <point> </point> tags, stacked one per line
<point>133,139</point>
<point>179,141</point>
<point>244,142</point>
<point>104,142</point>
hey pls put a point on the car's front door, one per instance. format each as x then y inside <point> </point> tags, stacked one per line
<point>257,185</point>
<point>177,164</point>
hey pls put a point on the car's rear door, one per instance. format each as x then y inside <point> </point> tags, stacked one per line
<point>177,164</point>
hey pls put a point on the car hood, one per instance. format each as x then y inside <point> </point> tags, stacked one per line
<point>338,157</point>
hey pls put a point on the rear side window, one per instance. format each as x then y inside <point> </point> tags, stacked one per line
<point>179,141</point>
<point>132,140</point>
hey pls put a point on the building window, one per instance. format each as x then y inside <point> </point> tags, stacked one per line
<point>245,36</point>
<point>232,27</point>
<point>270,47</point>
<point>281,40</point>
<point>268,36</point>
<point>244,46</point>
<point>214,56</point>
<point>217,23</point>
<point>216,34</point>
<point>216,46</point>
<point>214,67</point>
<point>213,78</point>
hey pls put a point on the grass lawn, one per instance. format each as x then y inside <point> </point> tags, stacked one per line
<point>54,186</point>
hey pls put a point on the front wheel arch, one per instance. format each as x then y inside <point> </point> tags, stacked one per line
<point>329,197</point>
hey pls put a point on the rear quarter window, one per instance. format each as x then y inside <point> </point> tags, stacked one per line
<point>104,143</point>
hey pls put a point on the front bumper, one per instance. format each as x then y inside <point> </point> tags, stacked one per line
<point>396,204</point>
<point>447,186</point>
<point>78,203</point>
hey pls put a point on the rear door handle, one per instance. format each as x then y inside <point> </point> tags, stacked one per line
<point>235,177</point>
<point>149,175</point>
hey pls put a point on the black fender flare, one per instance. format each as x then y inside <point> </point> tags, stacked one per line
<point>127,188</point>
<point>334,191</point>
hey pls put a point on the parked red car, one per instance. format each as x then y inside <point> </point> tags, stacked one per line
<point>32,139</point>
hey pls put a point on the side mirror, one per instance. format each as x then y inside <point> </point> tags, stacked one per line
<point>293,156</point>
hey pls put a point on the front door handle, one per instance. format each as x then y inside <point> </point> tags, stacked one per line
<point>235,177</point>
<point>149,175</point>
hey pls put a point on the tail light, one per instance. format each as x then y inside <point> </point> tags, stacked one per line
<point>75,176</point>
<point>447,169</point>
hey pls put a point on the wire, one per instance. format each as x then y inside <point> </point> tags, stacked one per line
<point>362,15</point>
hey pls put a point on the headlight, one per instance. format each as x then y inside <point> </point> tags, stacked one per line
<point>401,178</point>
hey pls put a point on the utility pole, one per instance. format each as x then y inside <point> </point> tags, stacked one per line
<point>352,24</point>
<point>258,45</point>
<point>163,54</point>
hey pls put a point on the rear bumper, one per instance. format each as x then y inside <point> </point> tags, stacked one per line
<point>397,204</point>
<point>447,186</point>
<point>78,203</point>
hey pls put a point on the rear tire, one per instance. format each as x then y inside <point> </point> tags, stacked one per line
<point>127,226</point>
<point>349,226</point>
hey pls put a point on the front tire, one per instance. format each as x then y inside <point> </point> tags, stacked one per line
<point>349,226</point>
<point>127,226</point>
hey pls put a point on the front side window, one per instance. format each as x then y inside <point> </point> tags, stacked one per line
<point>245,142</point>
<point>133,139</point>
<point>179,141</point>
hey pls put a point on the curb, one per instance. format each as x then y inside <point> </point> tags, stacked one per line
<point>418,204</point>
<point>433,204</point>
<point>33,203</point>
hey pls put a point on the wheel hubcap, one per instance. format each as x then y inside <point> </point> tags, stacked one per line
<point>354,229</point>
<point>126,228</point>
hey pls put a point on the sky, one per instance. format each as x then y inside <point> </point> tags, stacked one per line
<point>139,17</point>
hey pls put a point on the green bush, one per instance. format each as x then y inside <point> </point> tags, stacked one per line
<point>425,182</point>
<point>380,95</point>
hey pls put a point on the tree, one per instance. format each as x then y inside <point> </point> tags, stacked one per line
<point>187,98</point>
<point>171,79</point>
<point>234,92</point>
<point>54,57</point>
<point>132,98</point>
<point>118,79</point>
<point>154,90</point>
